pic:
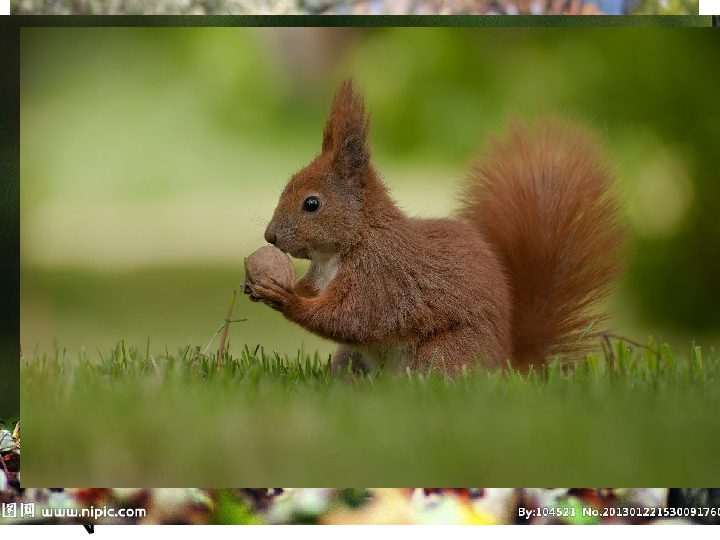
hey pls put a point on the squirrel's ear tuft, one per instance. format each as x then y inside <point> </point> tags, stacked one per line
<point>346,131</point>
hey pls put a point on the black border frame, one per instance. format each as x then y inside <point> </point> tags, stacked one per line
<point>362,20</point>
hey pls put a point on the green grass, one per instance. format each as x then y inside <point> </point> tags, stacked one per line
<point>118,418</point>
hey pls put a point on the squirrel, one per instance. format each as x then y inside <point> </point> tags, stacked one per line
<point>517,277</point>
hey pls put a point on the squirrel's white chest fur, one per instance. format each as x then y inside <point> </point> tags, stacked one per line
<point>324,270</point>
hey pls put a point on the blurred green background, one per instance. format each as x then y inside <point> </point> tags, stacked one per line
<point>151,159</point>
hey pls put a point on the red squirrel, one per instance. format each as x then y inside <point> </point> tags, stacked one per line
<point>517,277</point>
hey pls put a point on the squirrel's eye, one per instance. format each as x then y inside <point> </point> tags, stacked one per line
<point>311,204</point>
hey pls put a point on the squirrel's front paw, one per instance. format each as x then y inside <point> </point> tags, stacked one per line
<point>272,293</point>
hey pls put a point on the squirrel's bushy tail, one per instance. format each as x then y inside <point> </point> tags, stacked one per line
<point>544,198</point>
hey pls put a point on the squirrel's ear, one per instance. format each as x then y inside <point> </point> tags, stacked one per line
<point>346,132</point>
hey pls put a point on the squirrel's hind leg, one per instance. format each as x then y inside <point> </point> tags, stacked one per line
<point>451,350</point>
<point>342,359</point>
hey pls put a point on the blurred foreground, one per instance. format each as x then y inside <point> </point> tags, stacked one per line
<point>126,418</point>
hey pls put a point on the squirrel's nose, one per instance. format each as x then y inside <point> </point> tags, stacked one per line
<point>270,237</point>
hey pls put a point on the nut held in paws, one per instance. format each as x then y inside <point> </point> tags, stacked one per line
<point>270,262</point>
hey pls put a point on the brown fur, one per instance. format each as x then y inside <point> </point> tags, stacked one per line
<point>544,198</point>
<point>536,248</point>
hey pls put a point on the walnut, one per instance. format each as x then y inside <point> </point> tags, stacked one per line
<point>270,262</point>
